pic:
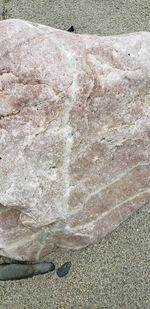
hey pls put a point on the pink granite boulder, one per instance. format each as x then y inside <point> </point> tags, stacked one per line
<point>74,136</point>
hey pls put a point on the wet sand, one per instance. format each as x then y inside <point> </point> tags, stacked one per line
<point>114,272</point>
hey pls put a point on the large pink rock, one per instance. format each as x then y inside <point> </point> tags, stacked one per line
<point>74,136</point>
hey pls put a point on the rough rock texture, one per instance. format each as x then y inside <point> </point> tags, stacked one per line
<point>74,136</point>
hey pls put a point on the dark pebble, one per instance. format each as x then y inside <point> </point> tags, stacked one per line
<point>71,29</point>
<point>64,269</point>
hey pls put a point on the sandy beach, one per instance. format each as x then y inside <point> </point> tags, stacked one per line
<point>114,272</point>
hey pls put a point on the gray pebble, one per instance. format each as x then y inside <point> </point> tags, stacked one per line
<point>64,269</point>
<point>22,271</point>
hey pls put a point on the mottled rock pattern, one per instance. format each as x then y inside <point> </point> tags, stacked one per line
<point>74,136</point>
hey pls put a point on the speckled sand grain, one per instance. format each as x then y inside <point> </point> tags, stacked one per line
<point>114,273</point>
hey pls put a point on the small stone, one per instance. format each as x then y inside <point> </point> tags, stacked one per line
<point>71,29</point>
<point>24,271</point>
<point>64,269</point>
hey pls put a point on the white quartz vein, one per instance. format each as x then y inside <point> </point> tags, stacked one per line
<point>98,191</point>
<point>68,130</point>
<point>106,213</point>
<point>68,136</point>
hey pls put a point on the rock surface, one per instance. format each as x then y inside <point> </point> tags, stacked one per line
<point>74,136</point>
